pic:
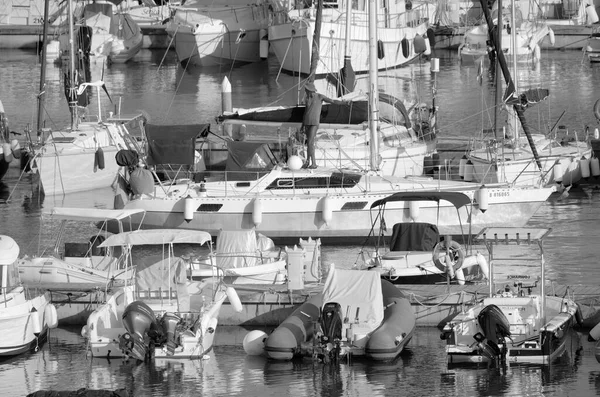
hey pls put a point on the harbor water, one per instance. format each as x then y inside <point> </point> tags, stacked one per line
<point>157,85</point>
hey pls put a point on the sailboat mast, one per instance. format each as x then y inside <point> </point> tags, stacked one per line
<point>513,43</point>
<point>73,83</point>
<point>373,90</point>
<point>348,23</point>
<point>499,29</point>
<point>42,92</point>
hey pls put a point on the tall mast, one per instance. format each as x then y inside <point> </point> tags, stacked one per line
<point>73,83</point>
<point>373,90</point>
<point>513,43</point>
<point>42,92</point>
<point>499,29</point>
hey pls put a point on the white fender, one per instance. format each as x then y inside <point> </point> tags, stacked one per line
<point>413,210</point>
<point>537,53</point>
<point>592,15</point>
<point>595,166</point>
<point>257,212</point>
<point>551,36</point>
<point>483,197</point>
<point>595,333</point>
<point>483,265</point>
<point>573,173</point>
<point>51,316</point>
<point>596,133</point>
<point>557,172</point>
<point>188,209</point>
<point>234,299</point>
<point>461,166</point>
<point>85,331</point>
<point>427,48</point>
<point>15,148</point>
<point>8,157</point>
<point>36,325</point>
<point>460,276</point>
<point>468,177</point>
<point>584,166</point>
<point>295,163</point>
<point>327,211</point>
<point>254,342</point>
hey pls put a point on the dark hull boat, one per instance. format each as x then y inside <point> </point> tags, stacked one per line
<point>383,321</point>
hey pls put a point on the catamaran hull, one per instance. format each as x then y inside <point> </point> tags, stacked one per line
<point>303,216</point>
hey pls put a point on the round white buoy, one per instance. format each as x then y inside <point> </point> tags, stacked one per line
<point>469,168</point>
<point>595,166</point>
<point>413,210</point>
<point>254,342</point>
<point>36,325</point>
<point>188,209</point>
<point>257,212</point>
<point>294,163</point>
<point>327,211</point>
<point>584,166</point>
<point>234,299</point>
<point>51,316</point>
<point>461,166</point>
<point>483,197</point>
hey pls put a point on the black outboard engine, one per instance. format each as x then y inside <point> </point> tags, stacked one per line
<point>332,321</point>
<point>496,328</point>
<point>170,323</point>
<point>142,331</point>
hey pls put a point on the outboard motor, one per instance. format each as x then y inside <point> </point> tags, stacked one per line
<point>495,328</point>
<point>169,324</point>
<point>140,322</point>
<point>332,322</point>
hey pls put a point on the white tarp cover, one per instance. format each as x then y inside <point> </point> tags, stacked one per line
<point>355,289</point>
<point>90,214</point>
<point>157,237</point>
<point>155,273</point>
<point>237,248</point>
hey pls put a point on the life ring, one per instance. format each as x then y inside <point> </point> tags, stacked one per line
<point>597,110</point>
<point>457,255</point>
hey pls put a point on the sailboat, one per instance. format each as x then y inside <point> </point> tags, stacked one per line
<point>512,326</point>
<point>282,200</point>
<point>532,159</point>
<point>401,25</point>
<point>81,157</point>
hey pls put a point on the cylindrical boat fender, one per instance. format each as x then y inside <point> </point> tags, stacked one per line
<point>99,159</point>
<point>597,109</point>
<point>419,43</point>
<point>8,157</point>
<point>584,166</point>
<point>405,47</point>
<point>551,37</point>
<point>461,166</point>
<point>380,50</point>
<point>596,133</point>
<point>592,15</point>
<point>36,324</point>
<point>427,48</point>
<point>594,333</point>
<point>483,265</point>
<point>188,209</point>
<point>413,210</point>
<point>85,331</point>
<point>327,211</point>
<point>483,198</point>
<point>457,253</point>
<point>595,166</point>
<point>51,316</point>
<point>264,43</point>
<point>257,212</point>
<point>431,37</point>
<point>460,276</point>
<point>558,172</point>
<point>234,299</point>
<point>537,53</point>
<point>468,171</point>
<point>15,148</point>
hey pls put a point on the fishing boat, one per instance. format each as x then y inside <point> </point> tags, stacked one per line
<point>248,257</point>
<point>284,201</point>
<point>220,33</point>
<point>520,38</point>
<point>162,313</point>
<point>512,325</point>
<point>382,321</point>
<point>80,263</point>
<point>25,315</point>
<point>416,254</point>
<point>83,156</point>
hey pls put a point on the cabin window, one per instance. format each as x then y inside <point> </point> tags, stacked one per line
<point>330,4</point>
<point>335,180</point>
<point>354,206</point>
<point>209,207</point>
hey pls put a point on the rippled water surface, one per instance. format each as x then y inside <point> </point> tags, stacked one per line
<point>170,94</point>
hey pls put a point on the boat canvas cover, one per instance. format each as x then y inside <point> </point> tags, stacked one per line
<point>414,236</point>
<point>90,214</point>
<point>173,144</point>
<point>156,273</point>
<point>236,249</point>
<point>248,157</point>
<point>157,237</point>
<point>457,199</point>
<point>356,289</point>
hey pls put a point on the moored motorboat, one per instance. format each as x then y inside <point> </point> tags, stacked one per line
<point>511,326</point>
<point>162,313</point>
<point>25,315</point>
<point>382,321</point>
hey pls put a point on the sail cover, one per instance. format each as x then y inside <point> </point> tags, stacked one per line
<point>173,144</point>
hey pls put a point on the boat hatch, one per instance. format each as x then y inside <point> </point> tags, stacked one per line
<point>242,184</point>
<point>209,207</point>
<point>354,206</point>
